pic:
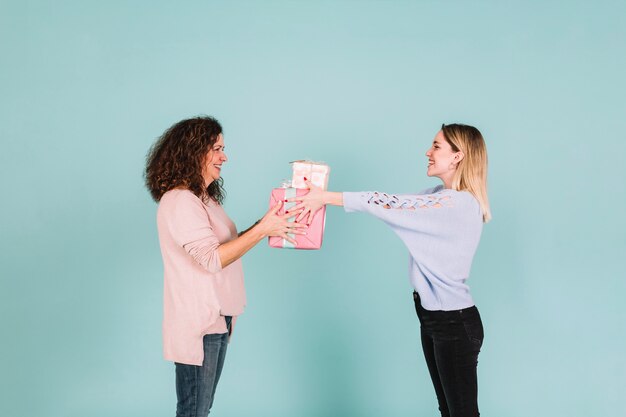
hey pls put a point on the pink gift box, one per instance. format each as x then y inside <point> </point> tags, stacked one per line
<point>315,232</point>
<point>316,172</point>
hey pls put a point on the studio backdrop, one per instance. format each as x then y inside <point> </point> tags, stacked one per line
<point>87,87</point>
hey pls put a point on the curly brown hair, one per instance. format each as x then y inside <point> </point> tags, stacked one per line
<point>177,159</point>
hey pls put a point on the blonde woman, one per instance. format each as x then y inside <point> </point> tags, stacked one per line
<point>441,228</point>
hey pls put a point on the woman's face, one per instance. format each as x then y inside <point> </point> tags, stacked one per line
<point>213,161</point>
<point>442,160</point>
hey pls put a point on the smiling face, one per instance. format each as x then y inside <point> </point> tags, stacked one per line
<point>442,159</point>
<point>213,161</point>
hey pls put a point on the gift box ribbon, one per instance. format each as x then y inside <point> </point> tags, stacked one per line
<point>289,193</point>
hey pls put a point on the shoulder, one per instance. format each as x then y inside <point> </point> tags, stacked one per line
<point>431,190</point>
<point>462,199</point>
<point>179,198</point>
<point>447,197</point>
<point>441,191</point>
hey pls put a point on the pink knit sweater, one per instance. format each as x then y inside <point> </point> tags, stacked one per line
<point>198,292</point>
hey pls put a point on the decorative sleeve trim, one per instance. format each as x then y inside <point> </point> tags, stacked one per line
<point>392,201</point>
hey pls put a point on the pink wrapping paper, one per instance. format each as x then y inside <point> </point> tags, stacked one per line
<point>315,232</point>
<point>316,172</point>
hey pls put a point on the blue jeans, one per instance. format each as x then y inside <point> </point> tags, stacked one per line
<point>451,341</point>
<point>195,385</point>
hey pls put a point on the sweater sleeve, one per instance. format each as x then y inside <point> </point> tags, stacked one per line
<point>410,212</point>
<point>191,229</point>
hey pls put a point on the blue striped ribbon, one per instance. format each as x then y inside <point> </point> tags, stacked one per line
<point>289,193</point>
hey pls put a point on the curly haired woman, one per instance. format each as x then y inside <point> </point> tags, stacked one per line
<point>203,276</point>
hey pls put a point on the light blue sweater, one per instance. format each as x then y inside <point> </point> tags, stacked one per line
<point>441,228</point>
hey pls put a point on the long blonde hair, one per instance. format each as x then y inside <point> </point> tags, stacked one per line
<point>471,172</point>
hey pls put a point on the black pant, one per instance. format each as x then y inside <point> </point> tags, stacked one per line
<point>451,341</point>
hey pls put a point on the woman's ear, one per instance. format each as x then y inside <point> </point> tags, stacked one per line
<point>458,157</point>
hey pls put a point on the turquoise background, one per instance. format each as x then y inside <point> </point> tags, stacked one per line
<point>86,87</point>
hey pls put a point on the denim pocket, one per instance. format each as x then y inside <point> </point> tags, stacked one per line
<point>474,331</point>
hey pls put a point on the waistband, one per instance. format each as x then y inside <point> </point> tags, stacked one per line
<point>468,311</point>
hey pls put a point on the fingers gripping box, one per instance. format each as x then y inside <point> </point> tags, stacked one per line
<point>317,173</point>
<point>315,231</point>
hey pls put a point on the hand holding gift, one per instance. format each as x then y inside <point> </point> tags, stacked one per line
<point>312,239</point>
<point>308,177</point>
<point>277,224</point>
<point>308,204</point>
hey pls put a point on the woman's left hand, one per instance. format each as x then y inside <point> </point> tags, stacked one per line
<point>309,203</point>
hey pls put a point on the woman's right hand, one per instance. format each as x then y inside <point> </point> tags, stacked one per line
<point>309,203</point>
<point>273,224</point>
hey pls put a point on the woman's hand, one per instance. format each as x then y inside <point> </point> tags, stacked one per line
<point>274,225</point>
<point>309,203</point>
<point>270,225</point>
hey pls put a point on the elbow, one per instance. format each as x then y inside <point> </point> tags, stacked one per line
<point>213,265</point>
<point>212,262</point>
<point>207,257</point>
